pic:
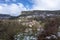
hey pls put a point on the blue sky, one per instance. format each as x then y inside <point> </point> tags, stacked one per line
<point>24,2</point>
<point>14,7</point>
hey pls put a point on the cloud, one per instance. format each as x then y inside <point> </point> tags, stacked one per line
<point>12,9</point>
<point>46,5</point>
<point>15,9</point>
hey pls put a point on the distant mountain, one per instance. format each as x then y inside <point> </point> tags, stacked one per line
<point>4,16</point>
<point>7,16</point>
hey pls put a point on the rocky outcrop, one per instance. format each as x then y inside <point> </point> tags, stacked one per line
<point>39,15</point>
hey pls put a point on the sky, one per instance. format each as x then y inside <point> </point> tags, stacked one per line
<point>15,7</point>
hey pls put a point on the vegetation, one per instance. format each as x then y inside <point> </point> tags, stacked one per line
<point>10,28</point>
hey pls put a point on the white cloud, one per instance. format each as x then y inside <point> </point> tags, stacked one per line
<point>15,9</point>
<point>46,4</point>
<point>12,9</point>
